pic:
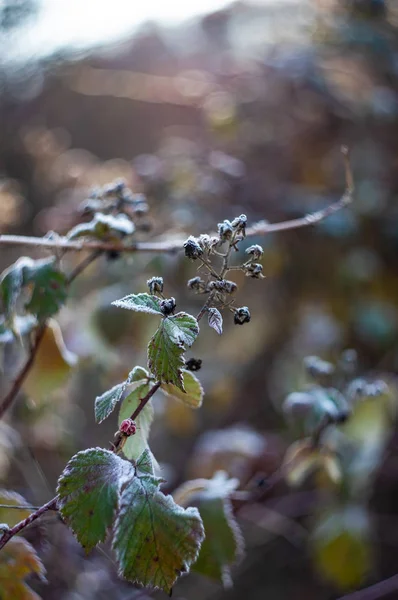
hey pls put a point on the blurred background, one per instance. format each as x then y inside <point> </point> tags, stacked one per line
<point>211,109</point>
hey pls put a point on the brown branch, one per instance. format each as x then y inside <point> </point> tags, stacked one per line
<point>120,437</point>
<point>378,590</point>
<point>63,243</point>
<point>260,228</point>
<point>19,380</point>
<point>8,534</point>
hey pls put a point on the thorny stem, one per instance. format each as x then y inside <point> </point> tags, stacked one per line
<point>7,535</point>
<point>205,306</point>
<point>19,380</point>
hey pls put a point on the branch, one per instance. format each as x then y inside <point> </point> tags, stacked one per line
<point>378,590</point>
<point>52,504</point>
<point>63,243</point>
<point>18,382</point>
<point>260,228</point>
<point>8,534</point>
<point>16,386</point>
<point>120,437</point>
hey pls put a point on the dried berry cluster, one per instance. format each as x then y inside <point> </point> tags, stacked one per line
<point>207,250</point>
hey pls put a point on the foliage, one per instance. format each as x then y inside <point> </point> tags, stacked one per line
<point>117,492</point>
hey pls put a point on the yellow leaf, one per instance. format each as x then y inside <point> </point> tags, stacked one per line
<point>18,559</point>
<point>341,546</point>
<point>12,516</point>
<point>52,366</point>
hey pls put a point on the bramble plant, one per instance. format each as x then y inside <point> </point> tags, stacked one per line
<point>117,492</point>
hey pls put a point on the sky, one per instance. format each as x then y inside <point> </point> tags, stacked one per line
<point>82,23</point>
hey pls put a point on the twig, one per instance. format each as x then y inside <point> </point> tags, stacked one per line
<point>52,504</point>
<point>64,243</point>
<point>18,382</point>
<point>120,438</point>
<point>20,507</point>
<point>260,228</point>
<point>83,265</point>
<point>378,590</point>
<point>16,386</point>
<point>205,306</point>
<point>7,535</point>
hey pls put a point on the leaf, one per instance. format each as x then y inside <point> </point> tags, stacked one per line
<point>22,325</point>
<point>193,395</point>
<point>137,443</point>
<point>140,303</point>
<point>11,516</point>
<point>138,373</point>
<point>182,328</point>
<point>223,545</point>
<point>88,493</point>
<point>144,465</point>
<point>11,283</point>
<point>341,546</point>
<point>103,227</point>
<point>18,560</point>
<point>52,366</point>
<point>215,319</point>
<point>49,288</point>
<point>155,540</point>
<point>302,459</point>
<point>105,404</point>
<point>165,358</point>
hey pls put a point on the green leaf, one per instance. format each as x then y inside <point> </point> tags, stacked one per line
<point>46,283</point>
<point>18,560</point>
<point>105,404</point>
<point>144,465</point>
<point>103,227</point>
<point>137,443</point>
<point>138,373</point>
<point>165,358</point>
<point>193,395</point>
<point>155,540</point>
<point>49,288</point>
<point>182,328</point>
<point>140,303</point>
<point>341,544</point>
<point>88,493</point>
<point>223,545</point>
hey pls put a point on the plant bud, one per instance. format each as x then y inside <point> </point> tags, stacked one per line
<point>155,285</point>
<point>317,368</point>
<point>242,315</point>
<point>239,224</point>
<point>255,251</point>
<point>192,248</point>
<point>167,306</point>
<point>196,284</point>
<point>254,270</point>
<point>193,364</point>
<point>225,230</point>
<point>128,427</point>
<point>225,286</point>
